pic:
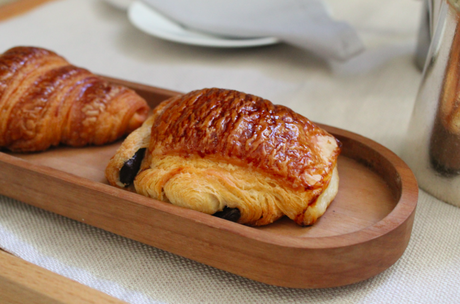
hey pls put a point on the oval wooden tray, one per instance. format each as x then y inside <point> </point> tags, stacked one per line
<point>364,231</point>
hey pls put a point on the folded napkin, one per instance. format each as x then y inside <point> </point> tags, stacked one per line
<point>303,23</point>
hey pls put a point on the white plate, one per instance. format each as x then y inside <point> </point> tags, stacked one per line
<point>151,22</point>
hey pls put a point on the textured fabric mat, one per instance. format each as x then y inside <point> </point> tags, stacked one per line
<point>137,273</point>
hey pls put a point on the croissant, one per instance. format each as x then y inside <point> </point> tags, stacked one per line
<point>233,155</point>
<point>46,101</point>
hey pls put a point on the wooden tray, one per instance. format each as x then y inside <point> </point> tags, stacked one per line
<point>365,230</point>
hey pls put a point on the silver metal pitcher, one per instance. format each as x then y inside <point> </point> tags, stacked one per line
<point>432,148</point>
<point>428,21</point>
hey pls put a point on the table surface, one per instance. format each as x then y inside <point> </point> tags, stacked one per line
<point>372,94</point>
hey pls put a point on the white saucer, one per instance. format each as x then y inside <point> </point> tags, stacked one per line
<point>151,22</point>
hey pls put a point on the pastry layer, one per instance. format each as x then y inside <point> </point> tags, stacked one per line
<point>45,101</point>
<point>208,186</point>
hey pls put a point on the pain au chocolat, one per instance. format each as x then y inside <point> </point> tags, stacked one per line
<point>46,101</point>
<point>233,155</point>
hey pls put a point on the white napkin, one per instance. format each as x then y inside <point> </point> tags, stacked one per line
<point>304,23</point>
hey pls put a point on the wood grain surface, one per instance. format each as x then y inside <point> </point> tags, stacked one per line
<point>16,8</point>
<point>365,230</point>
<point>22,282</point>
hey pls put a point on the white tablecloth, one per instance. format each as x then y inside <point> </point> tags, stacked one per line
<point>372,95</point>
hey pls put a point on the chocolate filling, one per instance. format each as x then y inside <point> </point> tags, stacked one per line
<point>230,214</point>
<point>130,168</point>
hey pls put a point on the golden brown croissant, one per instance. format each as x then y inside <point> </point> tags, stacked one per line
<point>233,155</point>
<point>45,101</point>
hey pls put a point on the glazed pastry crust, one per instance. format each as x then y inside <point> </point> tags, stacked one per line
<point>46,101</point>
<point>215,148</point>
<point>246,130</point>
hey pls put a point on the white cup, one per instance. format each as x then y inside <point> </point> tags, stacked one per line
<point>304,23</point>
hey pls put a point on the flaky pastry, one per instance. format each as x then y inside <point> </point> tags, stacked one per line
<point>231,154</point>
<point>45,101</point>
